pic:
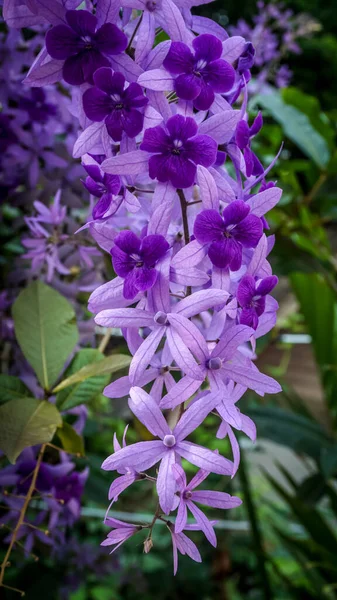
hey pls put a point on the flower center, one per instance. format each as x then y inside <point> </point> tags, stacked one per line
<point>214,364</point>
<point>169,441</point>
<point>138,260</point>
<point>151,5</point>
<point>177,146</point>
<point>160,318</point>
<point>187,495</point>
<point>201,64</point>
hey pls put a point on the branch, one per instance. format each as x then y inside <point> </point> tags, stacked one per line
<point>21,519</point>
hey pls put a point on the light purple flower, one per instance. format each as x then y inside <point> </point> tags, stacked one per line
<point>83,46</point>
<point>121,532</point>
<point>170,448</point>
<point>188,497</point>
<point>119,108</point>
<point>227,235</point>
<point>201,75</point>
<point>177,150</point>
<point>180,332</point>
<point>135,261</point>
<point>183,544</point>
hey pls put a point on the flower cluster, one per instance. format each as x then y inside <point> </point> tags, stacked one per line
<point>275,34</point>
<point>59,488</point>
<point>180,203</point>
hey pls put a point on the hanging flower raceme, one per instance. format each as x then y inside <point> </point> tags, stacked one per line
<point>168,153</point>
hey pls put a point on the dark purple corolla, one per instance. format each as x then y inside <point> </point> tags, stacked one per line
<point>228,234</point>
<point>177,151</point>
<point>201,75</point>
<point>38,109</point>
<point>108,101</point>
<point>252,298</point>
<point>243,135</point>
<point>135,260</point>
<point>83,46</point>
<point>102,186</point>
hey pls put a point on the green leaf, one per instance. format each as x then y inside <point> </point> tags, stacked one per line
<point>297,127</point>
<point>45,327</point>
<point>81,392</point>
<point>316,526</point>
<point>329,461</point>
<point>70,440</point>
<point>318,305</point>
<point>25,422</point>
<point>109,364</point>
<point>311,107</point>
<point>289,429</point>
<point>11,388</point>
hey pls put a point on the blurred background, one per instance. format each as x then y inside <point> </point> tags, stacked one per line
<point>282,542</point>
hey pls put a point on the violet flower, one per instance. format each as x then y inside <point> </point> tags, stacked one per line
<point>102,186</point>
<point>252,298</point>
<point>201,75</point>
<point>177,150</point>
<point>135,260</point>
<point>119,108</point>
<point>175,325</point>
<point>183,544</point>
<point>121,532</point>
<point>37,107</point>
<point>228,235</point>
<point>168,449</point>
<point>83,46</point>
<point>188,497</point>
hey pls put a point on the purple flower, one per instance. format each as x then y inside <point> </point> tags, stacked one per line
<point>83,46</point>
<point>181,334</point>
<point>188,497</point>
<point>121,532</point>
<point>228,235</point>
<point>7,135</point>
<point>118,108</point>
<point>252,298</point>
<point>36,106</point>
<point>183,544</point>
<point>170,447</point>
<point>135,260</point>
<point>201,75</point>
<point>177,151</point>
<point>102,186</point>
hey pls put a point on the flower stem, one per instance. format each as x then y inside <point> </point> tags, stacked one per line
<point>183,205</point>
<point>21,518</point>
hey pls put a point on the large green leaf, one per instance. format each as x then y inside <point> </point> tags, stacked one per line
<point>289,429</point>
<point>318,304</point>
<point>109,364</point>
<point>45,327</point>
<point>297,127</point>
<point>25,422</point>
<point>70,440</point>
<point>82,392</point>
<point>11,388</point>
<point>310,106</point>
<point>316,526</point>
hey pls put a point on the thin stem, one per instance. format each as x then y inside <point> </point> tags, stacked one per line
<point>105,340</point>
<point>152,524</point>
<point>129,49</point>
<point>13,589</point>
<point>315,189</point>
<point>21,518</point>
<point>184,205</point>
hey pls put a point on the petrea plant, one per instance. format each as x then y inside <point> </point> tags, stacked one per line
<point>181,207</point>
